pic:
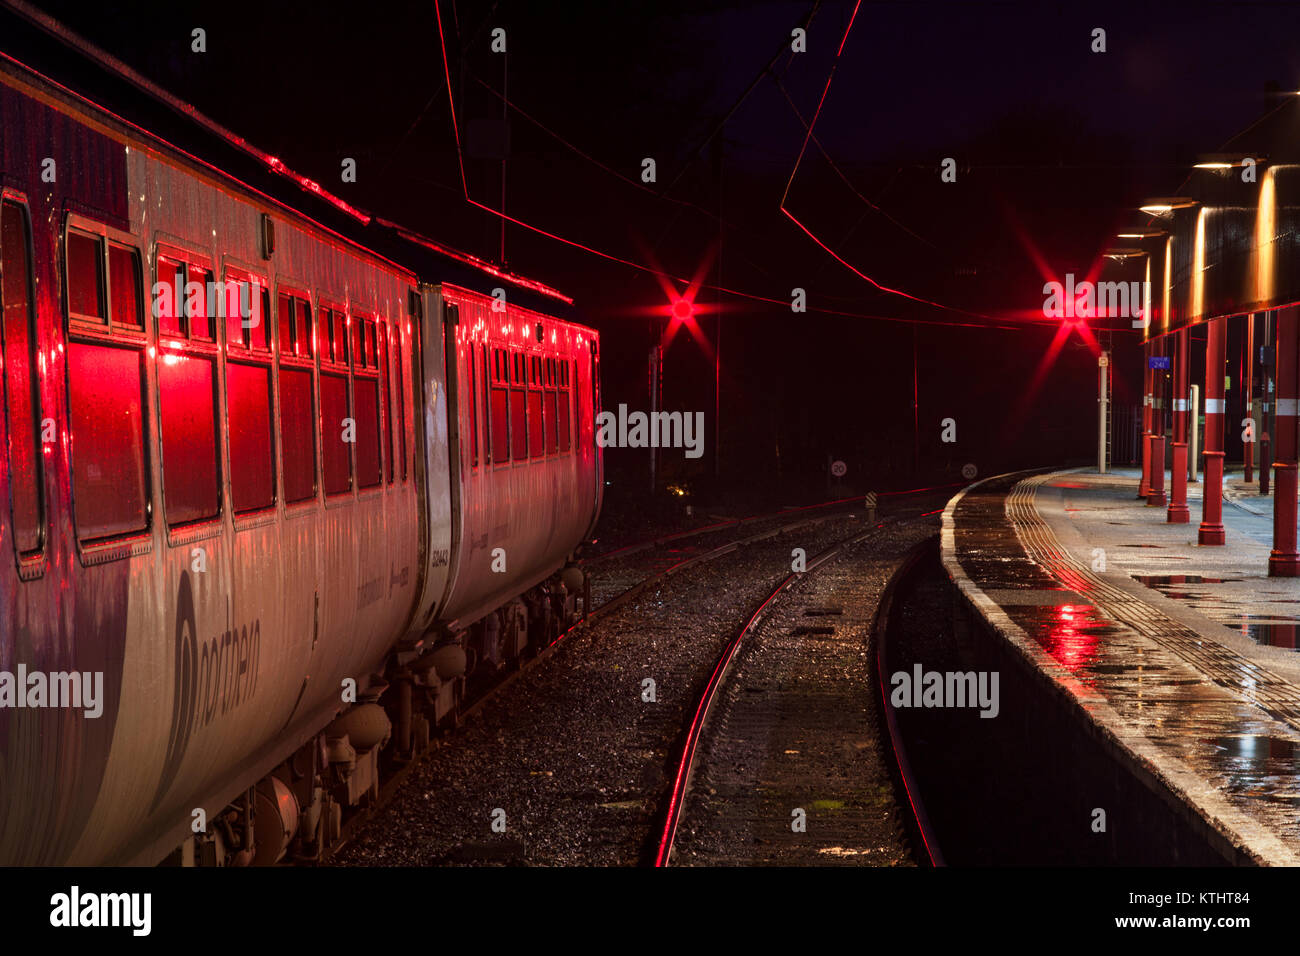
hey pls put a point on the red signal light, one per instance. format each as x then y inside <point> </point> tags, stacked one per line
<point>683,309</point>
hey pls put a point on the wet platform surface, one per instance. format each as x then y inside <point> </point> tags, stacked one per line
<point>1186,654</point>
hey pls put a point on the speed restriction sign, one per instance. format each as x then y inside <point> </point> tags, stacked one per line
<point>839,469</point>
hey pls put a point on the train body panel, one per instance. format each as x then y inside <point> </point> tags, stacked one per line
<point>214,625</point>
<point>523,403</point>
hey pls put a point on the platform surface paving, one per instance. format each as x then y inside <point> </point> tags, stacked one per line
<point>1185,654</point>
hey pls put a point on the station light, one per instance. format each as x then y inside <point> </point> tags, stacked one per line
<point>1221,162</point>
<point>1141,234</point>
<point>1163,207</point>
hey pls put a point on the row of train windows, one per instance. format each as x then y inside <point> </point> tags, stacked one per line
<point>528,405</point>
<point>106,384</point>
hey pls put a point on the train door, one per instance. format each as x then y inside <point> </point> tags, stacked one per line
<point>434,473</point>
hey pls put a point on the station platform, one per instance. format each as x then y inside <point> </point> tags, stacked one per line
<point>1182,658</point>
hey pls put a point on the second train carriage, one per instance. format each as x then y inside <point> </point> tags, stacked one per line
<point>228,520</point>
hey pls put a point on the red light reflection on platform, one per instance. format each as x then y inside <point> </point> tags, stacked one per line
<point>1071,637</point>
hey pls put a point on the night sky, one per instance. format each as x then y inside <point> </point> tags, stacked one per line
<point>1055,146</point>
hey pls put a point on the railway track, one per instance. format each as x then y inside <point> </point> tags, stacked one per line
<point>784,761</point>
<point>647,738</point>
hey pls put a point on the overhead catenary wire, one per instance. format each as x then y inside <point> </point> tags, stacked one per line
<point>993,322</point>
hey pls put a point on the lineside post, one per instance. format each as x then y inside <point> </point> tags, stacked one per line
<point>1156,479</point>
<point>1144,485</point>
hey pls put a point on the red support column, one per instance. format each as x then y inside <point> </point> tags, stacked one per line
<point>1248,388</point>
<point>1266,392</point>
<point>1144,485</point>
<point>1156,477</point>
<point>1178,513</point>
<point>1284,562</point>
<point>1211,531</point>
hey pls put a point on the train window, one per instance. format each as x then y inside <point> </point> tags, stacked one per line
<point>339,336</point>
<point>401,396</point>
<point>234,299</point>
<point>169,306</point>
<point>295,325</point>
<point>284,319</point>
<point>487,425</point>
<point>297,434</point>
<point>124,286</point>
<point>326,330</point>
<point>304,342</point>
<point>246,304</point>
<point>259,332</point>
<point>551,410</point>
<point>372,345</point>
<point>500,407</point>
<point>22,391</point>
<point>365,396</point>
<point>187,402</point>
<point>297,419</point>
<point>85,277</point>
<point>536,426</point>
<point>563,418</point>
<point>369,466</point>
<point>359,341</point>
<point>518,408</point>
<point>386,394</point>
<point>563,413</point>
<point>242,293</point>
<point>472,388</point>
<point>252,470</point>
<point>106,421</point>
<point>199,310</point>
<point>105,388</point>
<point>337,460</point>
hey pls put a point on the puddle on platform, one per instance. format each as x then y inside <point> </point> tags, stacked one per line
<point>1271,633</point>
<point>1073,634</point>
<point>1270,630</point>
<point>1256,747</point>
<point>1259,765</point>
<point>1161,580</point>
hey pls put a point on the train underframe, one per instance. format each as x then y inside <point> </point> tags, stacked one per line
<point>297,813</point>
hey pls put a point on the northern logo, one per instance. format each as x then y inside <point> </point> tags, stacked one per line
<point>211,677</point>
